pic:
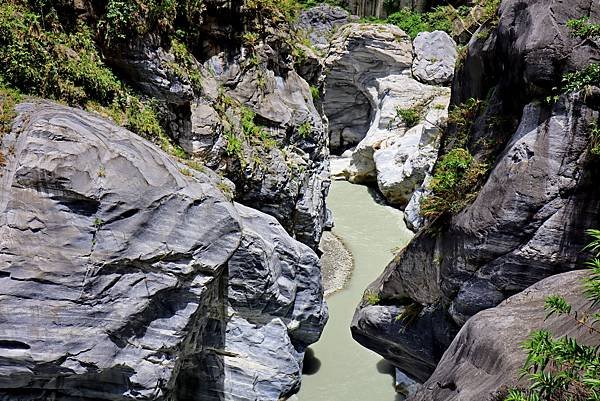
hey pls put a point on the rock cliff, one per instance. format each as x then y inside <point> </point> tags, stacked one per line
<point>382,103</point>
<point>528,219</point>
<point>242,110</point>
<point>126,275</point>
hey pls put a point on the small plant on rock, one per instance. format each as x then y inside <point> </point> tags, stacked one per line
<point>581,80</point>
<point>454,184</point>
<point>410,117</point>
<point>372,298</point>
<point>305,130</point>
<point>583,28</point>
<point>463,116</point>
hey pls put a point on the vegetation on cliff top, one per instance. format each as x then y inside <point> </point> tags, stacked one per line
<point>443,18</point>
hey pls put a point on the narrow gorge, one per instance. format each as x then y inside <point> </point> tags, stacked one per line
<point>269,200</point>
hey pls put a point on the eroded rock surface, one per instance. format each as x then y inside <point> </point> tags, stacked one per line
<point>122,278</point>
<point>359,55</point>
<point>245,113</point>
<point>529,218</point>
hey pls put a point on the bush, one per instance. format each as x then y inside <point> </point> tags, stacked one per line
<point>454,184</point>
<point>583,28</point>
<point>9,98</point>
<point>580,80</point>
<point>410,117</point>
<point>463,116</point>
<point>409,21</point>
<point>305,130</point>
<point>372,298</point>
<point>563,369</point>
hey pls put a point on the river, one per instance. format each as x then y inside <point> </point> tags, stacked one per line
<point>337,367</point>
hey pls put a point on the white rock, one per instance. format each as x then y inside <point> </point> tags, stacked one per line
<point>435,57</point>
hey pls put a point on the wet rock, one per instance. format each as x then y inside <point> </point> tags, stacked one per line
<point>435,57</point>
<point>127,279</point>
<point>487,353</point>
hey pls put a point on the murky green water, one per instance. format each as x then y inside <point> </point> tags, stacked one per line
<point>342,370</point>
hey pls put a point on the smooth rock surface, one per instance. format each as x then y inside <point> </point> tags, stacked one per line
<point>121,278</point>
<point>435,57</point>
<point>487,353</point>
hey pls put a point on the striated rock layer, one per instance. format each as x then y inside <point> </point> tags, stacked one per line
<point>126,276</point>
<point>528,219</point>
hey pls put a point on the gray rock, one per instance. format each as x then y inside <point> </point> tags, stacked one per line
<point>123,279</point>
<point>435,57</point>
<point>287,179</point>
<point>290,178</point>
<point>320,23</point>
<point>412,212</point>
<point>405,339</point>
<point>487,353</point>
<point>406,162</point>
<point>529,218</point>
<point>359,55</point>
<point>389,134</point>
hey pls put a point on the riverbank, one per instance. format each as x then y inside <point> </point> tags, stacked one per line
<point>337,263</point>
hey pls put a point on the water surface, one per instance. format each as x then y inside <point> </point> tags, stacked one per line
<point>341,369</point>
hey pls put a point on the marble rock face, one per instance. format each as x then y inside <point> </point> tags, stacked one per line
<point>125,277</point>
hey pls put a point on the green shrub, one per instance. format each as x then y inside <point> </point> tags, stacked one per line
<point>410,117</point>
<point>185,65</point>
<point>561,368</point>
<point>409,21</point>
<point>580,80</point>
<point>372,298</point>
<point>583,28</point>
<point>234,145</point>
<point>125,18</point>
<point>463,116</point>
<point>9,98</point>
<point>454,184</point>
<point>315,93</point>
<point>305,130</point>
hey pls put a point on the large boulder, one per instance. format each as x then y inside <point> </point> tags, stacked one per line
<point>129,276</point>
<point>435,57</point>
<point>487,354</point>
<point>528,220</point>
